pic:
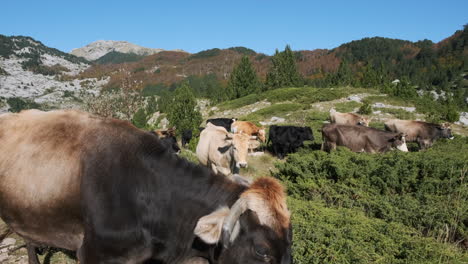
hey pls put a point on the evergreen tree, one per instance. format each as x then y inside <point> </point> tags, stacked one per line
<point>243,80</point>
<point>182,112</point>
<point>164,101</point>
<point>283,72</point>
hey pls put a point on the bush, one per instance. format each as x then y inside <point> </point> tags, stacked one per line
<point>387,208</point>
<point>17,104</point>
<point>365,109</point>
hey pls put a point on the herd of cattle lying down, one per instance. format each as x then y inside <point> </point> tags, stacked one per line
<point>117,194</point>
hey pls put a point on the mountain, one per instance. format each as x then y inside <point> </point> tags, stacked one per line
<point>97,49</point>
<point>33,72</point>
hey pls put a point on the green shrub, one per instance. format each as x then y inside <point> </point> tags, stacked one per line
<point>401,207</point>
<point>17,104</point>
<point>365,109</point>
<point>341,235</point>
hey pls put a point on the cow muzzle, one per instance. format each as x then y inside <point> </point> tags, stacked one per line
<point>403,147</point>
<point>242,164</point>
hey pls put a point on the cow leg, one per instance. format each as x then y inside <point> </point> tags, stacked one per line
<point>32,256</point>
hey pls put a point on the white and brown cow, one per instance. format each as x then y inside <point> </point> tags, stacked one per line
<point>418,131</point>
<point>348,118</point>
<point>116,194</point>
<point>222,151</point>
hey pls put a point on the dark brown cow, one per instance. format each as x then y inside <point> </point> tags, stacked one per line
<point>116,194</point>
<point>418,131</point>
<point>361,138</point>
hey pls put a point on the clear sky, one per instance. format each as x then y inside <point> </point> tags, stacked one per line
<point>261,25</point>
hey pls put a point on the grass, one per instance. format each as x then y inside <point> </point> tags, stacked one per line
<point>303,95</point>
<point>391,100</point>
<point>274,110</point>
<point>398,113</point>
<point>347,106</point>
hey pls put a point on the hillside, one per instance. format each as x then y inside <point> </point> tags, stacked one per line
<point>400,207</point>
<point>32,73</point>
<point>363,63</point>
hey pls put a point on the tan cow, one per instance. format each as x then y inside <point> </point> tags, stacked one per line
<point>163,133</point>
<point>348,118</point>
<point>222,151</point>
<point>418,131</point>
<point>248,128</point>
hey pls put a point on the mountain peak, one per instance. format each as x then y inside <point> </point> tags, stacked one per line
<point>100,48</point>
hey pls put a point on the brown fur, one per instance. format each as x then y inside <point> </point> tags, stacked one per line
<point>267,198</point>
<point>162,133</point>
<point>40,173</point>
<point>348,118</point>
<point>248,128</point>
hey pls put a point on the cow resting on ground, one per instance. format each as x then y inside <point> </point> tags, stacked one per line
<point>348,118</point>
<point>115,194</point>
<point>222,151</point>
<point>361,138</point>
<point>418,131</point>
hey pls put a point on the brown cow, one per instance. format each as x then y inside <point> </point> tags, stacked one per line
<point>348,118</point>
<point>361,138</point>
<point>162,133</point>
<point>248,128</point>
<point>115,194</point>
<point>418,131</point>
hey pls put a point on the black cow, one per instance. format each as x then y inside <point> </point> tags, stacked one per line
<point>186,137</point>
<point>170,142</point>
<point>224,122</point>
<point>287,139</point>
<point>114,194</point>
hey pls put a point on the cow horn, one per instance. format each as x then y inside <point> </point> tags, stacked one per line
<point>239,207</point>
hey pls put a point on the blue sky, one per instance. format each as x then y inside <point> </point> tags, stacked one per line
<point>257,24</point>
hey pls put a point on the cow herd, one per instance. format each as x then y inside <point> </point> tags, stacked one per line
<point>117,194</point>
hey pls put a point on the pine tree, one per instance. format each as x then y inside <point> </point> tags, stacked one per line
<point>283,72</point>
<point>182,112</point>
<point>243,80</point>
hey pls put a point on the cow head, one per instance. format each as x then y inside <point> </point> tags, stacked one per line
<point>241,149</point>
<point>261,134</point>
<point>364,121</point>
<point>399,142</point>
<point>256,229</point>
<point>445,131</point>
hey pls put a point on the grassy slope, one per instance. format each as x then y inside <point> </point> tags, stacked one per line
<point>309,107</point>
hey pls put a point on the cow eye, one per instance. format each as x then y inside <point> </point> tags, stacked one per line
<point>263,254</point>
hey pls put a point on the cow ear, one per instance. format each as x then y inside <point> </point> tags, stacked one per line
<point>209,227</point>
<point>223,150</point>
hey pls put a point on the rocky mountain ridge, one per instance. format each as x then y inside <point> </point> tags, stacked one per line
<point>97,49</point>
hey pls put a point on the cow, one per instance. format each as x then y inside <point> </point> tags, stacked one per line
<point>348,118</point>
<point>162,133</point>
<point>223,122</point>
<point>248,128</point>
<point>222,151</point>
<point>287,139</point>
<point>114,194</point>
<point>168,140</point>
<point>423,133</point>
<point>361,138</point>
<point>186,137</point>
